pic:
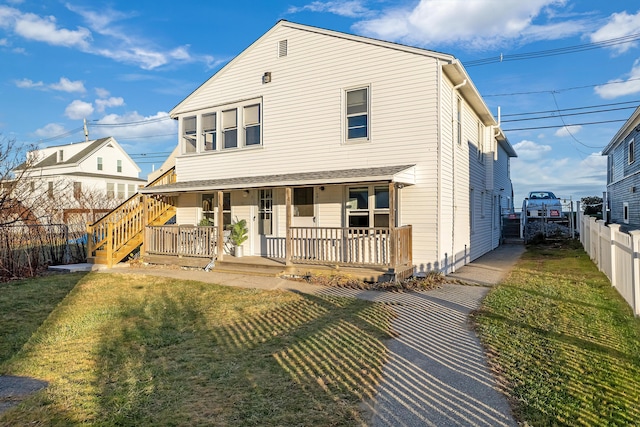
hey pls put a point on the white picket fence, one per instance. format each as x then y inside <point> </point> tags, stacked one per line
<point>616,255</point>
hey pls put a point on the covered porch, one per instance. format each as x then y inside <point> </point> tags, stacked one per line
<point>282,238</point>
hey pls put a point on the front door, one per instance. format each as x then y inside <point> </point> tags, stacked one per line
<point>265,222</point>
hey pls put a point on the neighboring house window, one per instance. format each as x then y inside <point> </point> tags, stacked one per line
<point>303,202</point>
<point>110,190</point>
<point>360,199</point>
<point>230,128</point>
<point>625,212</point>
<point>209,131</point>
<point>77,190</point>
<point>631,151</point>
<point>50,189</point>
<point>119,166</point>
<point>459,122</point>
<point>189,134</point>
<point>60,156</point>
<point>131,189</point>
<point>99,163</point>
<point>120,191</point>
<point>251,125</point>
<point>357,114</point>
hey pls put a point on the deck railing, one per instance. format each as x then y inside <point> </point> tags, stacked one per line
<point>352,245</point>
<point>181,240</point>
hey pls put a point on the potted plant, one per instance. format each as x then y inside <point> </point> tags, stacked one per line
<point>238,235</point>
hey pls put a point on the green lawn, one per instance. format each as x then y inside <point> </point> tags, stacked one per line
<point>563,341</point>
<point>137,350</point>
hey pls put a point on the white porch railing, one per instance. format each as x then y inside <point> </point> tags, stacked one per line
<point>616,255</point>
<point>181,240</point>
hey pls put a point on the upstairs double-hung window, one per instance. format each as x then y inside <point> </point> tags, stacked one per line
<point>209,131</point>
<point>189,134</point>
<point>251,125</point>
<point>357,110</point>
<point>230,128</point>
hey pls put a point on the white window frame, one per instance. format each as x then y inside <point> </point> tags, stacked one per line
<point>371,210</point>
<point>119,166</point>
<point>347,115</point>
<point>631,152</point>
<point>189,136</point>
<point>217,135</point>
<point>99,164</point>
<point>625,212</point>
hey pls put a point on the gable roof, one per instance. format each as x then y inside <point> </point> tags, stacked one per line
<point>628,126</point>
<point>52,159</point>
<point>345,36</point>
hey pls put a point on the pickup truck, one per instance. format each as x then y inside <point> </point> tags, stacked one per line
<point>542,204</point>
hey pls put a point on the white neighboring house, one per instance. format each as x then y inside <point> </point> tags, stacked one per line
<point>350,134</point>
<point>99,173</point>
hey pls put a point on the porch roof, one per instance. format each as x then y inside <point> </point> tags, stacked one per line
<point>404,174</point>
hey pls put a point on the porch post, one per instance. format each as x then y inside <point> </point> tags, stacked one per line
<point>288,248</point>
<point>393,238</point>
<point>145,222</point>
<point>220,227</point>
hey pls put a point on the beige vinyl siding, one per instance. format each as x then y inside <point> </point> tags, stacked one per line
<point>302,107</point>
<point>188,209</point>
<point>330,204</point>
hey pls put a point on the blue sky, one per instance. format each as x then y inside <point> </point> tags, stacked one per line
<point>123,65</point>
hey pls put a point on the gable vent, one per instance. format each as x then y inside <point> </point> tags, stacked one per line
<point>282,48</point>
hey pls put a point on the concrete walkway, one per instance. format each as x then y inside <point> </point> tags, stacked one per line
<point>437,373</point>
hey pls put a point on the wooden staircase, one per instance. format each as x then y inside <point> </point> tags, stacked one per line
<point>121,231</point>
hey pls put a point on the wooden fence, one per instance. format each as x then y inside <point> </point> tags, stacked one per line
<point>616,254</point>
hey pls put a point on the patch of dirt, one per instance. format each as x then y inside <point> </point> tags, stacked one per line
<point>430,281</point>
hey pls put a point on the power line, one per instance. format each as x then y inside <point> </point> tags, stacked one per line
<point>566,115</point>
<point>573,108</point>
<point>559,90</point>
<point>553,52</point>
<point>137,123</point>
<point>565,125</point>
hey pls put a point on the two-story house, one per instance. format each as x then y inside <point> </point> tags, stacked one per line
<point>341,150</point>
<point>623,174</point>
<point>78,177</point>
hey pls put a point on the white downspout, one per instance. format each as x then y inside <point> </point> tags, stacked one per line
<point>454,100</point>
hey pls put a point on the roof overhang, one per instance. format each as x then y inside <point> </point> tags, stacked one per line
<point>404,175</point>
<point>628,126</point>
<point>456,73</point>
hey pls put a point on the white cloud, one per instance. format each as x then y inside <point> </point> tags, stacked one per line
<point>102,92</point>
<point>568,131</point>
<point>530,150</point>
<point>66,85</point>
<point>78,110</point>
<point>621,87</point>
<point>29,84</point>
<point>34,27</point>
<point>619,25</point>
<point>4,42</point>
<point>52,129</point>
<point>102,104</point>
<point>472,24</point>
<point>63,85</point>
<point>349,8</point>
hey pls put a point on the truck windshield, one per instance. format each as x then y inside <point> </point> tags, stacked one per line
<point>542,195</point>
